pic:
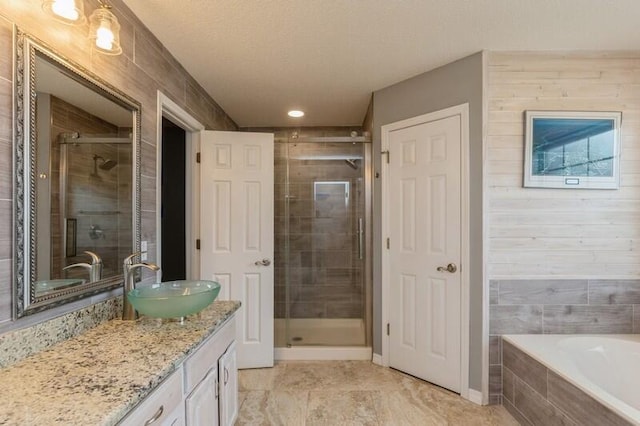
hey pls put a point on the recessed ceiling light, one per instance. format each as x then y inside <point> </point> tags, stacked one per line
<point>295,113</point>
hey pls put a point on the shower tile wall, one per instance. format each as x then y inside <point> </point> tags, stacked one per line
<point>558,307</point>
<point>325,271</point>
<point>94,200</point>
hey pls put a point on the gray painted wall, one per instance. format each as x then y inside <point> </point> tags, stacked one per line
<point>452,84</point>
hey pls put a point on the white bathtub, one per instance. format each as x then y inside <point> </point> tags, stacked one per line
<point>606,367</point>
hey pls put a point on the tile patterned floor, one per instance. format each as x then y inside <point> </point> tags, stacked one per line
<point>352,393</point>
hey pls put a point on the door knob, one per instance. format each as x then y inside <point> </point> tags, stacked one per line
<point>263,262</point>
<point>449,268</point>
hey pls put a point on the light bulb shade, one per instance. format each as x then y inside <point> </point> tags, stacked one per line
<point>67,11</point>
<point>104,31</point>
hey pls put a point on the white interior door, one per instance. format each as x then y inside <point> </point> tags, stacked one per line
<point>236,232</point>
<point>425,250</point>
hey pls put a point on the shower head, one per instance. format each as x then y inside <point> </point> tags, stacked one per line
<point>352,163</point>
<point>106,164</point>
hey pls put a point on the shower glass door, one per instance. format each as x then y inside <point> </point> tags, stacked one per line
<point>321,220</point>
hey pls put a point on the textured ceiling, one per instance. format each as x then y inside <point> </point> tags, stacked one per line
<point>260,58</point>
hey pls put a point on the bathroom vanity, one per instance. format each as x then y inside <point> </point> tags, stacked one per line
<point>145,372</point>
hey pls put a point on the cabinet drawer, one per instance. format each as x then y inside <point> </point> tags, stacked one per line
<point>160,404</point>
<point>206,356</point>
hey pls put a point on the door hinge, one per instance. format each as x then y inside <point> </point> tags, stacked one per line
<point>388,154</point>
<point>198,157</point>
<point>388,329</point>
<point>388,243</point>
<point>198,244</point>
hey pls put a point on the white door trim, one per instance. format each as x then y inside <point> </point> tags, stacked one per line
<point>174,112</point>
<point>463,112</point>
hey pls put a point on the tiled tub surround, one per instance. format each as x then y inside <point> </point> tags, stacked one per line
<point>558,307</point>
<point>561,380</point>
<point>97,377</point>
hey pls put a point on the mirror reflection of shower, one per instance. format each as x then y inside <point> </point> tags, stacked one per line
<point>352,163</point>
<point>105,164</point>
<point>93,185</point>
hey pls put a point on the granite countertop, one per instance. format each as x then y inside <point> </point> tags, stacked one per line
<point>98,376</point>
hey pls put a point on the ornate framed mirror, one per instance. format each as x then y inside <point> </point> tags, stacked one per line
<point>76,179</point>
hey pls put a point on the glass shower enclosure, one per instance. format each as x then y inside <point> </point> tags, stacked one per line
<point>322,268</point>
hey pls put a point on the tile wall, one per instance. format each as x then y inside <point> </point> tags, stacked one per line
<point>326,275</point>
<point>144,68</point>
<point>326,198</point>
<point>557,307</point>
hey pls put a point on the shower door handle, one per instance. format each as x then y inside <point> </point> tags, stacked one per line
<point>263,262</point>
<point>360,238</point>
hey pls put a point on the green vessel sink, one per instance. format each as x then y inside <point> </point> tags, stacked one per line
<point>173,299</point>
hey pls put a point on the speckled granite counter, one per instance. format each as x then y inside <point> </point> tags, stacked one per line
<point>98,376</point>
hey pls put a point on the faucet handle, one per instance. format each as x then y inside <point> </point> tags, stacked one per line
<point>95,258</point>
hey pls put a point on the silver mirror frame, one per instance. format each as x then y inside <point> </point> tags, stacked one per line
<point>24,175</point>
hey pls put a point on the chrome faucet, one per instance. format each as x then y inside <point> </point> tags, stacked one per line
<point>129,269</point>
<point>94,268</point>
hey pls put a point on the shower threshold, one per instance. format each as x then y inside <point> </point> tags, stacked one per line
<point>321,339</point>
<point>323,353</point>
<point>320,332</point>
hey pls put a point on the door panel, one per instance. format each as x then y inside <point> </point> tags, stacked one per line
<point>237,233</point>
<point>408,328</point>
<point>424,184</point>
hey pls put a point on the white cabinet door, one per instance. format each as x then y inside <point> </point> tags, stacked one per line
<point>176,418</point>
<point>228,386</point>
<point>202,403</point>
<point>236,231</point>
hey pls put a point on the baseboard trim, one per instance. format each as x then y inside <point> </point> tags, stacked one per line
<point>321,353</point>
<point>377,359</point>
<point>475,396</point>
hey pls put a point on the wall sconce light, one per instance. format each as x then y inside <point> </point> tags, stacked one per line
<point>67,11</point>
<point>104,30</point>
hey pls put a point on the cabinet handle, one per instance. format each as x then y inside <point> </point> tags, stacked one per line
<point>226,376</point>
<point>155,417</point>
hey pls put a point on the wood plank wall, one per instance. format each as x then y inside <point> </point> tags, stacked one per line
<point>561,233</point>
